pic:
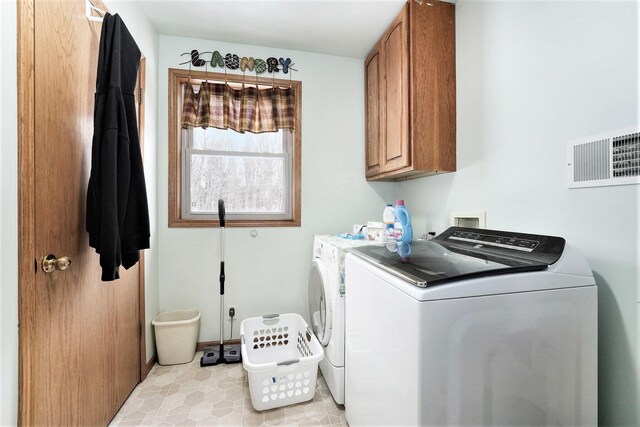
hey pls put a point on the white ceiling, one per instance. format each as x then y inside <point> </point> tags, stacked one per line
<point>344,28</point>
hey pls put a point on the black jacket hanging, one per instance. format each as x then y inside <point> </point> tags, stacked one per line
<point>117,210</point>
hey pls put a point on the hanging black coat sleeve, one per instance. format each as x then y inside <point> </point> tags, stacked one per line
<point>117,212</point>
<point>115,179</point>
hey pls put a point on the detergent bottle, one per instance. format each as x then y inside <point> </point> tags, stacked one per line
<point>388,218</point>
<point>403,223</point>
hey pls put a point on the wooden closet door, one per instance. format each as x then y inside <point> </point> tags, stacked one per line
<point>373,82</point>
<point>395,47</point>
<point>80,351</point>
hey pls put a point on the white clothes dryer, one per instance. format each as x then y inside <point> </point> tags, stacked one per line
<point>326,306</point>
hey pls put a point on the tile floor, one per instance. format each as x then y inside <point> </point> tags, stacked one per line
<point>188,395</point>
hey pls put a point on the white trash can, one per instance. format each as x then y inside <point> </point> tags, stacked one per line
<point>176,336</point>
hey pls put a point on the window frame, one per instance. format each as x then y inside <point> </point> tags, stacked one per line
<point>177,216</point>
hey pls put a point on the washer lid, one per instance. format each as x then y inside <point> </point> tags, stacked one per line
<point>320,309</point>
<point>464,253</point>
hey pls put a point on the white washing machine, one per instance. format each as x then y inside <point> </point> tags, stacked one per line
<point>326,306</point>
<point>475,327</point>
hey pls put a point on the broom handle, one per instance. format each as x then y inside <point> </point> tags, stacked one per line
<point>221,217</point>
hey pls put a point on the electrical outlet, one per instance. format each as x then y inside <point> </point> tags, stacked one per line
<point>232,311</point>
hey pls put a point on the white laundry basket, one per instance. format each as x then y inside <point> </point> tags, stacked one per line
<point>281,355</point>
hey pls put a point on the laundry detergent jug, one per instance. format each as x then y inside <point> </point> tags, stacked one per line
<point>403,230</point>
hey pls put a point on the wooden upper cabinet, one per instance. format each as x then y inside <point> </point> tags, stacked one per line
<point>372,113</point>
<point>412,109</point>
<point>395,89</point>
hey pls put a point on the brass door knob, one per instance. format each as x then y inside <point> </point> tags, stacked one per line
<point>51,263</point>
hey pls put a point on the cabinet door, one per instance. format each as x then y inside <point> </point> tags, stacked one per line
<point>395,55</point>
<point>432,43</point>
<point>372,110</point>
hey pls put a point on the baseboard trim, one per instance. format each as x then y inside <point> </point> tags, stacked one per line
<point>201,345</point>
<point>149,365</point>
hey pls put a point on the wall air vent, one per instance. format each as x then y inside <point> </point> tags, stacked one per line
<point>607,159</point>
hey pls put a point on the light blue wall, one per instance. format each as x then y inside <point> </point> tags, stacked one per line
<point>268,274</point>
<point>532,76</point>
<point>8,216</point>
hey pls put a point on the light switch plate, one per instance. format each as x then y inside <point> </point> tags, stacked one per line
<point>468,219</point>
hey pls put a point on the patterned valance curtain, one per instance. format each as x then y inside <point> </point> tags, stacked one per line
<point>248,109</point>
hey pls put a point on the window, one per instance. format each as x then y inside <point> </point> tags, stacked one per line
<point>257,175</point>
<point>250,172</point>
